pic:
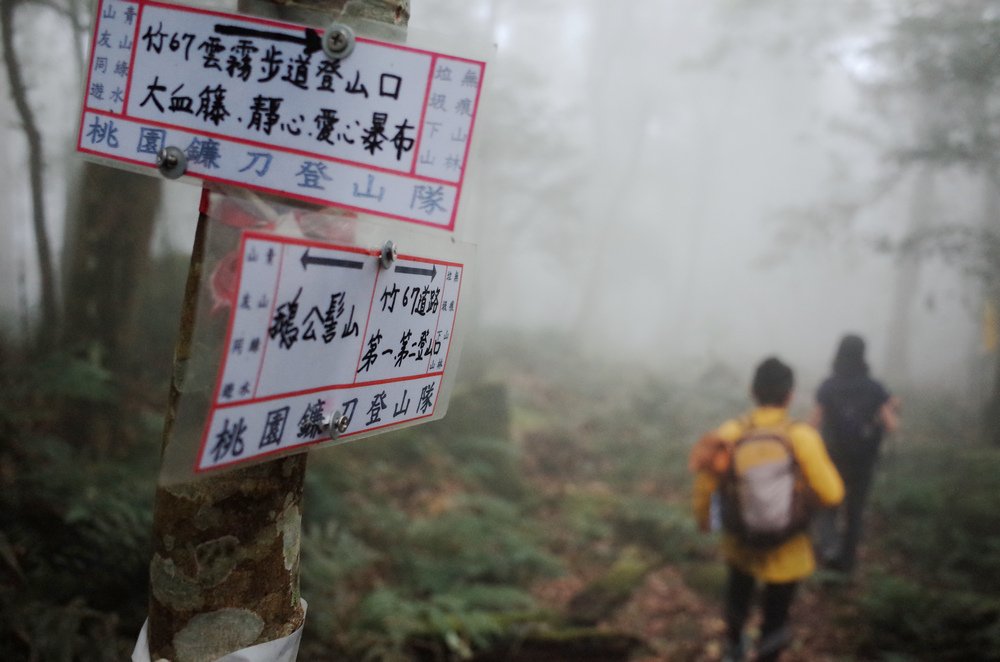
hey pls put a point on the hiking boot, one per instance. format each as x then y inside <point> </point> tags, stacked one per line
<point>734,652</point>
<point>837,564</point>
<point>769,647</point>
<point>830,578</point>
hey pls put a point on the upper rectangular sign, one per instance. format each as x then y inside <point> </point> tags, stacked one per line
<point>258,104</point>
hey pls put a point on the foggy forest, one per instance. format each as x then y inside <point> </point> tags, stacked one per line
<point>659,195</point>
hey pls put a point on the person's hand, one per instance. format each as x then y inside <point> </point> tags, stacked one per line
<point>889,414</point>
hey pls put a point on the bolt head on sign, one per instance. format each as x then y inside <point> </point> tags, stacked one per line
<point>312,113</point>
<point>338,41</point>
<point>172,162</point>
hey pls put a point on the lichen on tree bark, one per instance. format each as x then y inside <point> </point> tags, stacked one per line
<point>226,543</point>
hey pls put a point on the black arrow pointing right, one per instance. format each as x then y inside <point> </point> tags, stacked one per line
<point>311,41</point>
<point>417,271</point>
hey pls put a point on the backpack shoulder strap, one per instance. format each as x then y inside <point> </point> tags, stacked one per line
<point>746,427</point>
<point>780,433</point>
<point>786,429</point>
<point>729,475</point>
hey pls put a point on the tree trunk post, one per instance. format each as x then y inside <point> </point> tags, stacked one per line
<point>224,573</point>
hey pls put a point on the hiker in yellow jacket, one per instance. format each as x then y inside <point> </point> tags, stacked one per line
<point>780,568</point>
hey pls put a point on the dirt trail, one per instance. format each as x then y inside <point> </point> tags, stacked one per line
<point>681,625</point>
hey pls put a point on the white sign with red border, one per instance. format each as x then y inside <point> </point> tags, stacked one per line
<point>320,333</point>
<point>258,104</point>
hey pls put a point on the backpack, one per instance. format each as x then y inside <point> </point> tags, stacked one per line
<point>852,423</point>
<point>710,454</point>
<point>763,494</point>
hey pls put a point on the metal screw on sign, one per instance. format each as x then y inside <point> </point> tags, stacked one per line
<point>172,162</point>
<point>389,254</point>
<point>335,425</point>
<point>338,41</point>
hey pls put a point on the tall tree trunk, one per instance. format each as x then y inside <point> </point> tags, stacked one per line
<point>906,285</point>
<point>982,126</point>
<point>617,159</point>
<point>50,316</point>
<point>109,225</point>
<point>109,228</point>
<point>225,568</point>
<point>991,293</point>
<point>991,417</point>
<point>109,221</point>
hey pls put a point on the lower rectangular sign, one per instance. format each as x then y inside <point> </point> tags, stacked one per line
<point>325,342</point>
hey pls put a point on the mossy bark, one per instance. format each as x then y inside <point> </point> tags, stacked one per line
<point>225,568</point>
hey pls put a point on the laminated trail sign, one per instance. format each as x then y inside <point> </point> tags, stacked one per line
<point>322,335</point>
<point>328,334</point>
<point>258,104</point>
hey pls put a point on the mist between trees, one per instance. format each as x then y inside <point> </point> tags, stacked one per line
<point>672,189</point>
<point>710,169</point>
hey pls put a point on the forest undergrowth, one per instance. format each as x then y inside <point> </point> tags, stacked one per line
<point>545,518</point>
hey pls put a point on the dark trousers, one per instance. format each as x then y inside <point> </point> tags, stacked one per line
<point>777,599</point>
<point>838,540</point>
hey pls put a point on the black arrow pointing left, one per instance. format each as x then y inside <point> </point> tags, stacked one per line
<point>308,259</point>
<point>311,41</point>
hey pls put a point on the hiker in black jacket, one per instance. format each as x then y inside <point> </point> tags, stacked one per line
<point>853,412</point>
